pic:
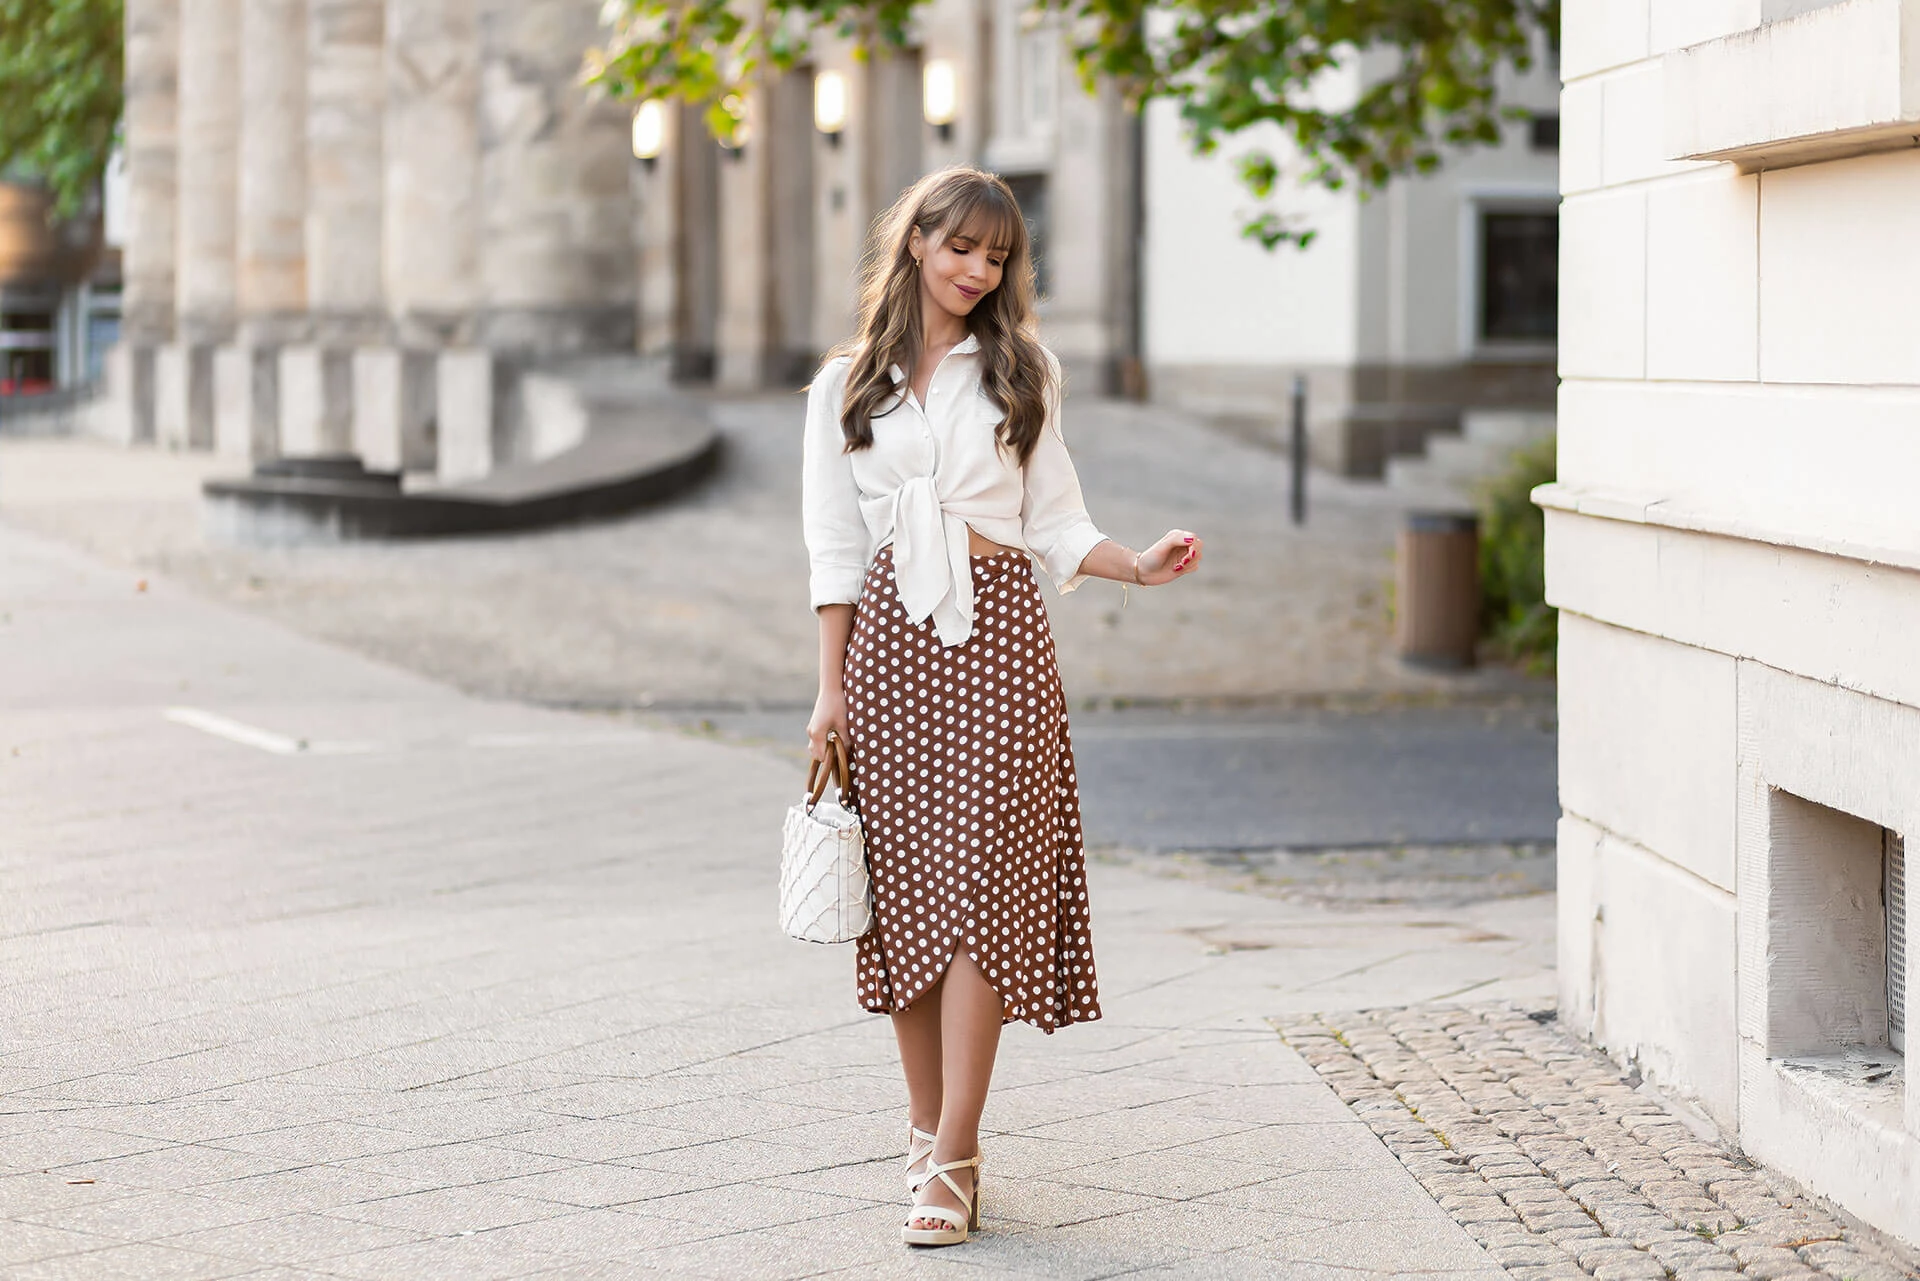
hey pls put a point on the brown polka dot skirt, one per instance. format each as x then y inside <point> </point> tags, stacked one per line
<point>963,772</point>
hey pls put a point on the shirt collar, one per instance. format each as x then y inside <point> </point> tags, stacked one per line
<point>966,346</point>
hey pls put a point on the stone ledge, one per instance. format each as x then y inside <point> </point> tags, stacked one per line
<point>1670,513</point>
<point>1799,91</point>
<point>653,455</point>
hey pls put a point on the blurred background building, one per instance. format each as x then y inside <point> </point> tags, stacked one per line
<point>356,224</point>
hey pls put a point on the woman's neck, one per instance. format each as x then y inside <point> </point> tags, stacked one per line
<point>940,329</point>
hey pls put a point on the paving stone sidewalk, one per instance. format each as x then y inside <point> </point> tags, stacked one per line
<point>1551,1158</point>
<point>311,967</point>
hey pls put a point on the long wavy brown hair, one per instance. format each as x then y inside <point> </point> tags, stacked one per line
<point>1015,372</point>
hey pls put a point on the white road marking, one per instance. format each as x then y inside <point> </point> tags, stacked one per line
<point>253,736</point>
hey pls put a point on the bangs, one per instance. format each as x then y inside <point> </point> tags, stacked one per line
<point>988,220</point>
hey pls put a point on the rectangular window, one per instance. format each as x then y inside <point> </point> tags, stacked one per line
<point>1519,276</point>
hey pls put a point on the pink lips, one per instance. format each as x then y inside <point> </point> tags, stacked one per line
<point>971,293</point>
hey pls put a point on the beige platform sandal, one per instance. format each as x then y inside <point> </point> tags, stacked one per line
<point>958,1224</point>
<point>917,1155</point>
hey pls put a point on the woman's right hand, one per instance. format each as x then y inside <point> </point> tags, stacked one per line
<point>829,717</point>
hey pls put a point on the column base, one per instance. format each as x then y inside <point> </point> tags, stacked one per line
<point>468,403</point>
<point>316,400</point>
<point>128,414</point>
<point>394,395</point>
<point>183,396</point>
<point>246,410</point>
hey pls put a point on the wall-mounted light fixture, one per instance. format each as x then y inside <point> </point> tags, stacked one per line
<point>649,131</point>
<point>736,147</point>
<point>940,96</point>
<point>830,105</point>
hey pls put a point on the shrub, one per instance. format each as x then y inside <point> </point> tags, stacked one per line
<point>1515,617</point>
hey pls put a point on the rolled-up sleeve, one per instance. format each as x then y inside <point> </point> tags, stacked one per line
<point>1053,516</point>
<point>836,532</point>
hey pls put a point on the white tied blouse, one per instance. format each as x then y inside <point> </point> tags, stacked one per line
<point>932,471</point>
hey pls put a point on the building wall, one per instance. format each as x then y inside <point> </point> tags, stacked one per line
<point>1738,571</point>
<point>1377,309</point>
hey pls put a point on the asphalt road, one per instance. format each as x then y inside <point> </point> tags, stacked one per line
<point>1162,780</point>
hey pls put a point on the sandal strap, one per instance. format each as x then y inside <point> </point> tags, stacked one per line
<point>972,1161</point>
<point>919,1135</point>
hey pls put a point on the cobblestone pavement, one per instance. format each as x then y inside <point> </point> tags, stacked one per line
<point>702,602</point>
<point>1561,1168</point>
<point>310,967</point>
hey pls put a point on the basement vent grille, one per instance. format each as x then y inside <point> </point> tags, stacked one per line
<point>1894,892</point>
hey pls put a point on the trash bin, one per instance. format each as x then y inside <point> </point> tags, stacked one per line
<point>1437,590</point>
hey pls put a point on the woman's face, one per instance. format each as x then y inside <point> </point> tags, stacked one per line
<point>957,271</point>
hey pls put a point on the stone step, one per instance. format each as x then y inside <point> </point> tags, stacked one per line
<point>1508,428</point>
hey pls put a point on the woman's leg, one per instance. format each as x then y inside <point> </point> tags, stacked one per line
<point>970,1016</point>
<point>917,1029</point>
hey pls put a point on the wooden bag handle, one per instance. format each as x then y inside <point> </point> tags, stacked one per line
<point>836,772</point>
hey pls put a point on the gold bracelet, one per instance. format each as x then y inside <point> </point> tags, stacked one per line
<point>1136,570</point>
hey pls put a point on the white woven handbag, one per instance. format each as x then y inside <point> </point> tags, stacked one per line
<point>825,896</point>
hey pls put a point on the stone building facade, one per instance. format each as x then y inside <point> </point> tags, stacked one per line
<point>750,255</point>
<point>1732,545</point>
<point>355,223</point>
<point>352,222</point>
<point>1430,298</point>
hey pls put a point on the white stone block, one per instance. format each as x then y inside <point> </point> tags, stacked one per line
<point>1675,24</point>
<point>127,415</point>
<point>246,412</point>
<point>376,407</point>
<point>183,396</point>
<point>1598,34</point>
<point>1843,621</point>
<point>1787,457</point>
<point>1703,289</point>
<point>1581,113</point>
<point>1831,82</point>
<point>316,400</point>
<point>1646,743</point>
<point>465,398</point>
<point>1603,300</point>
<point>1838,272</point>
<point>1577,920</point>
<point>1633,137</point>
<point>1664,975</point>
<point>555,415</point>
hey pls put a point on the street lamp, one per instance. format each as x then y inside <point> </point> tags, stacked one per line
<point>649,132</point>
<point>830,105</point>
<point>940,96</point>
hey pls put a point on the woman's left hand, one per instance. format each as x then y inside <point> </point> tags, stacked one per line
<point>1175,556</point>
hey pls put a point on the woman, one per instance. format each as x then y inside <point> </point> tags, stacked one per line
<point>934,468</point>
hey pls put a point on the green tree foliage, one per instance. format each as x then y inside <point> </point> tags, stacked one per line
<point>1431,70</point>
<point>1515,615</point>
<point>60,93</point>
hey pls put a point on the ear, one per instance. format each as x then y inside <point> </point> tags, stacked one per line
<point>916,245</point>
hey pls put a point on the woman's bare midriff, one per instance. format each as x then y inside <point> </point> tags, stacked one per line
<point>978,546</point>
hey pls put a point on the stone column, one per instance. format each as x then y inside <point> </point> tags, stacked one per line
<point>345,91</point>
<point>695,160</point>
<point>152,77</point>
<point>744,331</point>
<point>271,284</point>
<point>432,160</point>
<point>556,248</point>
<point>556,232</point>
<point>208,168</point>
<point>432,269</point>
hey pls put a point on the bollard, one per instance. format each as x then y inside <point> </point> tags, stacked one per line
<point>1437,590</point>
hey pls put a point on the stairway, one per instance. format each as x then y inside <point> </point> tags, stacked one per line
<point>1453,466</point>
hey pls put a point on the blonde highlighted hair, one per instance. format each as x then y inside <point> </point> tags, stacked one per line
<point>1016,373</point>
